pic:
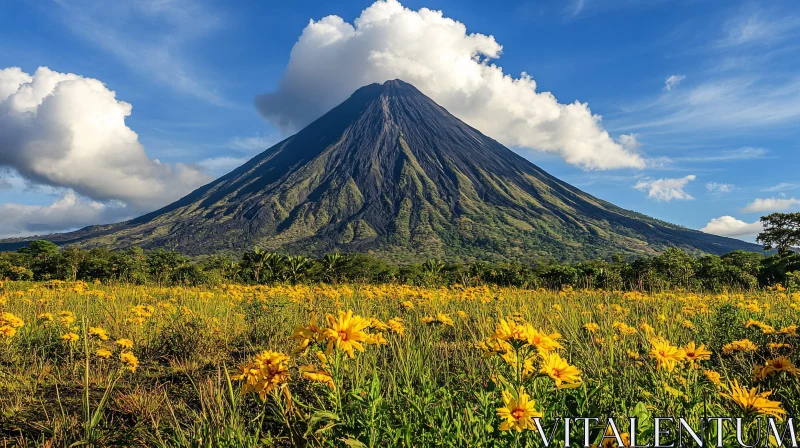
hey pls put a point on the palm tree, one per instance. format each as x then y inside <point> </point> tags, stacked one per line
<point>297,267</point>
<point>275,266</point>
<point>331,264</point>
<point>432,269</point>
<point>256,260</point>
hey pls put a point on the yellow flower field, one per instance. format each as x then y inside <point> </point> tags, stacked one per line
<point>381,365</point>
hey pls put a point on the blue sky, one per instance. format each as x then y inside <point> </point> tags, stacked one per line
<point>714,147</point>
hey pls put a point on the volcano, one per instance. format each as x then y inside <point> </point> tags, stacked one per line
<point>391,173</point>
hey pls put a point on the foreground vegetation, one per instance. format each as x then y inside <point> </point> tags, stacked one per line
<point>380,365</point>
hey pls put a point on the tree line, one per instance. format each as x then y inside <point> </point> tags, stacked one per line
<point>675,268</point>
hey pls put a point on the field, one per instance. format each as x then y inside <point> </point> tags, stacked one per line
<point>100,365</point>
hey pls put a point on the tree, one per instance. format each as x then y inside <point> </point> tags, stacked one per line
<point>255,260</point>
<point>331,265</point>
<point>44,258</point>
<point>163,263</point>
<point>131,265</point>
<point>677,266</point>
<point>297,267</point>
<point>781,232</point>
<point>72,258</point>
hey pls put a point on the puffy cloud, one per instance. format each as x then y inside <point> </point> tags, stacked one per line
<point>673,81</point>
<point>333,58</point>
<point>68,131</point>
<point>666,189</point>
<point>68,212</point>
<point>771,205</point>
<point>715,187</point>
<point>732,227</point>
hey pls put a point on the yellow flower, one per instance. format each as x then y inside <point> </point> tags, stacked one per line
<point>396,325</point>
<point>377,324</point>
<point>542,342</point>
<point>560,371</point>
<point>766,329</point>
<point>511,331</point>
<point>70,337</point>
<point>8,319</point>
<point>791,330</point>
<point>518,413</point>
<point>648,329</point>
<point>712,376</point>
<point>45,317</point>
<point>665,354</point>
<point>307,335</point>
<point>408,305</point>
<point>103,353</point>
<point>591,327</point>
<point>267,371</point>
<point>98,332</point>
<point>623,328</point>
<point>444,319</point>
<point>125,343</point>
<point>314,374</point>
<point>440,319</point>
<point>7,331</point>
<point>461,314</point>
<point>752,401</point>
<point>346,332</point>
<point>377,339</point>
<point>66,317</point>
<point>609,441</point>
<point>130,361</point>
<point>557,307</point>
<point>779,364</point>
<point>742,345</point>
<point>696,353</point>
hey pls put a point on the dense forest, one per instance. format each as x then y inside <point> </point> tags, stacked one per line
<point>43,260</point>
<point>739,270</point>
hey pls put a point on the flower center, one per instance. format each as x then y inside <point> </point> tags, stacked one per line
<point>518,413</point>
<point>343,335</point>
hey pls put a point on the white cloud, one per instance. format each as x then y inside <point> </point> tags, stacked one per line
<point>68,212</point>
<point>666,189</point>
<point>333,58</point>
<point>68,131</point>
<point>217,166</point>
<point>783,186</point>
<point>753,25</point>
<point>734,104</point>
<point>673,81</point>
<point>732,227</point>
<point>715,187</point>
<point>252,144</point>
<point>771,205</point>
<point>746,153</point>
<point>156,53</point>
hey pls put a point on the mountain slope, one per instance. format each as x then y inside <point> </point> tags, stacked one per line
<point>392,173</point>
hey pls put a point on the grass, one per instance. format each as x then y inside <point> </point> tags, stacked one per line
<point>439,383</point>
